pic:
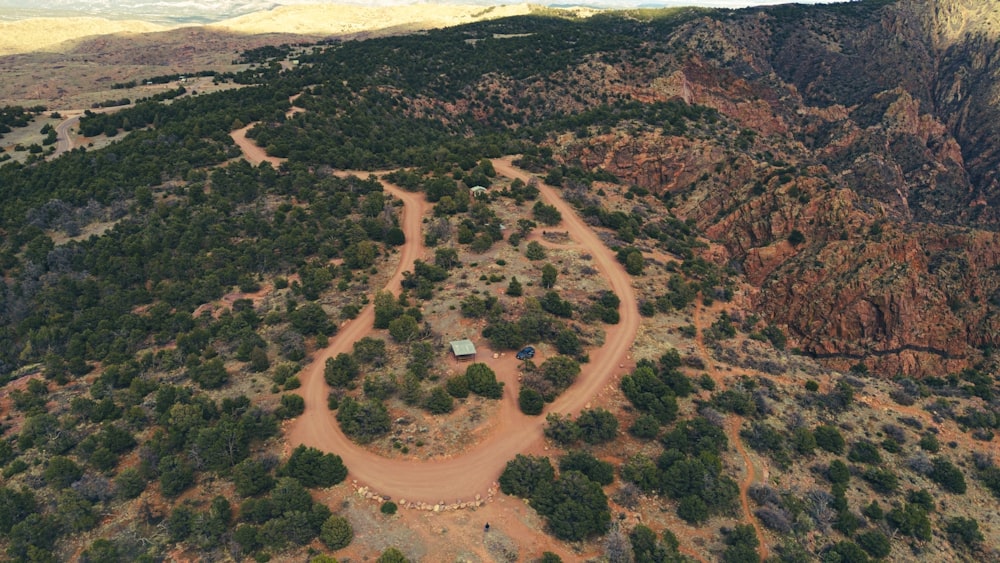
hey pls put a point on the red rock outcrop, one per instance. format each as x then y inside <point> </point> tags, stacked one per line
<point>885,179</point>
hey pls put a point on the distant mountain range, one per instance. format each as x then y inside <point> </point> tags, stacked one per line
<point>204,11</point>
<point>160,11</point>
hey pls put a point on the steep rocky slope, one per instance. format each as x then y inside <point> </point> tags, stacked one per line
<point>870,130</point>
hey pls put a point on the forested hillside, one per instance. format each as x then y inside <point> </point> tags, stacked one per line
<point>160,296</point>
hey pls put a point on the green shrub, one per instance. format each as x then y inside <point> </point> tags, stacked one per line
<point>597,426</point>
<point>645,427</point>
<point>458,386</point>
<point>963,531</point>
<point>314,468</point>
<point>921,498</point>
<point>692,510</point>
<point>291,406</point>
<point>341,370</point>
<point>873,511</point>
<point>130,483</point>
<point>523,475</point>
<point>882,480</point>
<point>864,451</point>
<point>336,532</point>
<point>483,381</point>
<point>546,214</point>
<point>102,550</point>
<point>61,472</point>
<point>514,288</point>
<point>560,372</point>
<point>567,343</point>
<point>404,328</point>
<point>706,382</point>
<point>847,522</point>
<point>844,552</point>
<point>929,443</point>
<point>574,507</point>
<point>598,471</point>
<point>252,478</point>
<point>796,237</point>
<point>363,421</point>
<point>561,429</point>
<point>910,520</point>
<point>829,439</point>
<point>741,542</point>
<point>778,340</point>
<point>891,446</point>
<point>438,401</point>
<point>530,401</point>
<point>650,394</point>
<point>534,251</point>
<point>392,555</point>
<point>838,472</point>
<point>176,475</point>
<point>948,476</point>
<point>803,441</point>
<point>549,276</point>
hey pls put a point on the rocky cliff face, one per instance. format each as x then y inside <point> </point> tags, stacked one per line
<point>920,79</point>
<point>871,128</point>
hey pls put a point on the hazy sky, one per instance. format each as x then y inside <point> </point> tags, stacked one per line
<point>42,4</point>
<point>202,11</point>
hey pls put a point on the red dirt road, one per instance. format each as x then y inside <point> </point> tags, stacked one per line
<point>474,472</point>
<point>251,152</point>
<point>255,154</point>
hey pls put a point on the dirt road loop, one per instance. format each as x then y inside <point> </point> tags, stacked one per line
<point>469,479</point>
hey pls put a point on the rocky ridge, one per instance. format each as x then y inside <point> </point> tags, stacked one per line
<point>871,131</point>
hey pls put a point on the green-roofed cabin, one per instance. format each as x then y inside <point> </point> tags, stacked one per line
<point>463,350</point>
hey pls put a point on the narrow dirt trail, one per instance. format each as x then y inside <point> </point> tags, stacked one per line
<point>732,429</point>
<point>65,142</point>
<point>460,478</point>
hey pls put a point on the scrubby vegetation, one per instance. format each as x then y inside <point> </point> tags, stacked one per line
<point>574,506</point>
<point>160,296</point>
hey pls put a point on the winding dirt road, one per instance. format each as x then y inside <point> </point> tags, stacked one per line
<point>477,469</point>
<point>474,472</point>
<point>64,142</point>
<point>253,153</point>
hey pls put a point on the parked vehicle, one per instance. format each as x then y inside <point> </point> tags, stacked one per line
<point>526,353</point>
